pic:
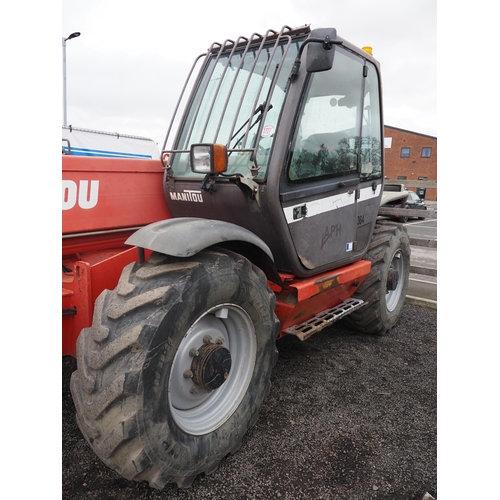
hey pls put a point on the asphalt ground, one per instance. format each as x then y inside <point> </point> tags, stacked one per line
<point>422,288</point>
<point>349,417</point>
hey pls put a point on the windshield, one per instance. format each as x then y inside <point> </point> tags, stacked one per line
<point>237,103</point>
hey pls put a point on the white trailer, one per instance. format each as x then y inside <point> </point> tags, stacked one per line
<point>84,142</point>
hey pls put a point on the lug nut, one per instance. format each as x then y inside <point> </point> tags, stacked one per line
<point>194,352</point>
<point>207,339</point>
<point>194,389</point>
<point>188,374</point>
<point>219,340</point>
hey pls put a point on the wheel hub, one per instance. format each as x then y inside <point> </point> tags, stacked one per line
<point>208,381</point>
<point>211,366</point>
<point>392,279</point>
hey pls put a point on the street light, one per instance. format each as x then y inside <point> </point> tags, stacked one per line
<point>65,112</point>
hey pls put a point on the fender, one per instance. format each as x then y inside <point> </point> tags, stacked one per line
<point>186,236</point>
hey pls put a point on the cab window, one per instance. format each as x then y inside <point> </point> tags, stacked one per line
<point>339,130</point>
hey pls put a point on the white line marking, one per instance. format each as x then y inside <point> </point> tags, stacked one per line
<point>423,281</point>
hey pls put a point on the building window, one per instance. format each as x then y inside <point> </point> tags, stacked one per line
<point>401,177</point>
<point>426,152</point>
<point>405,152</point>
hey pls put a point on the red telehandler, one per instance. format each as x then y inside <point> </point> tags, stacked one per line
<point>260,220</point>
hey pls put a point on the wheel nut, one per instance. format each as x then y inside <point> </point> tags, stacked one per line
<point>194,389</point>
<point>207,339</point>
<point>188,374</point>
<point>219,340</point>
<point>194,352</point>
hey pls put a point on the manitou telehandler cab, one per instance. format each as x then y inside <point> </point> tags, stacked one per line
<point>273,180</point>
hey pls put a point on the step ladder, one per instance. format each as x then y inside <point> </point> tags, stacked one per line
<point>323,319</point>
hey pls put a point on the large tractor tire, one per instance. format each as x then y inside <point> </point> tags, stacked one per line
<point>384,290</point>
<point>175,366</point>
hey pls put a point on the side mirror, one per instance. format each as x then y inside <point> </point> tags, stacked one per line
<point>321,49</point>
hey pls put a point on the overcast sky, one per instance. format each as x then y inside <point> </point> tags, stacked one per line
<point>126,70</point>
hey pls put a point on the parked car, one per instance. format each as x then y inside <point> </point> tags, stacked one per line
<point>413,201</point>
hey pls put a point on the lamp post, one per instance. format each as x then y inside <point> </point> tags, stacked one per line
<point>65,111</point>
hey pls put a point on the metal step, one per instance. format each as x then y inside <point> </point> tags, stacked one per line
<point>323,319</point>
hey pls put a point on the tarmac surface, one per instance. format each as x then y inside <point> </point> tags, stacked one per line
<point>349,417</point>
<point>422,289</point>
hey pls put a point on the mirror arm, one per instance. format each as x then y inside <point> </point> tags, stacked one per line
<point>327,45</point>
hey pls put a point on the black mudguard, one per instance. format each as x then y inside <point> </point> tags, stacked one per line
<point>186,236</point>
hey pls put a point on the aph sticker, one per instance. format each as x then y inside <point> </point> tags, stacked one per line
<point>268,131</point>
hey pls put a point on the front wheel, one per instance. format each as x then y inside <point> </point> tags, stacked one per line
<point>175,366</point>
<point>384,290</point>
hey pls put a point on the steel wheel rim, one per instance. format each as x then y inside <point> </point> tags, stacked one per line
<point>199,412</point>
<point>392,297</point>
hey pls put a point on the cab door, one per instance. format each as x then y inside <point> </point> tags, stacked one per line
<point>334,175</point>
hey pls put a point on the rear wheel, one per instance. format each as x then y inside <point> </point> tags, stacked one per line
<point>404,219</point>
<point>173,371</point>
<point>384,290</point>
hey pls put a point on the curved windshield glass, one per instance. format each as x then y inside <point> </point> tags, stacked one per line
<point>237,103</point>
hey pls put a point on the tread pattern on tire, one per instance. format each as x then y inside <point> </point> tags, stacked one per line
<point>369,318</point>
<point>112,352</point>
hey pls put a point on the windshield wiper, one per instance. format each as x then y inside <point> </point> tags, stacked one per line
<point>260,109</point>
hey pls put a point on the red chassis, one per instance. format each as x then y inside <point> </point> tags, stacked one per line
<point>105,200</point>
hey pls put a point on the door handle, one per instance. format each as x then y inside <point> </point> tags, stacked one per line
<point>299,212</point>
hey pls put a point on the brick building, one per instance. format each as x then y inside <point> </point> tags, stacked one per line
<point>410,156</point>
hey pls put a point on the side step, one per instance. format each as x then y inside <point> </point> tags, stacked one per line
<point>323,319</point>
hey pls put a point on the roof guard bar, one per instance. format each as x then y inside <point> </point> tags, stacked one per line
<point>216,93</point>
<point>250,40</point>
<point>179,101</point>
<point>217,48</point>
<point>271,88</point>
<point>250,73</point>
<point>207,82</point>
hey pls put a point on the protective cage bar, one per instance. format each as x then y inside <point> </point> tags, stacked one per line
<point>216,50</point>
